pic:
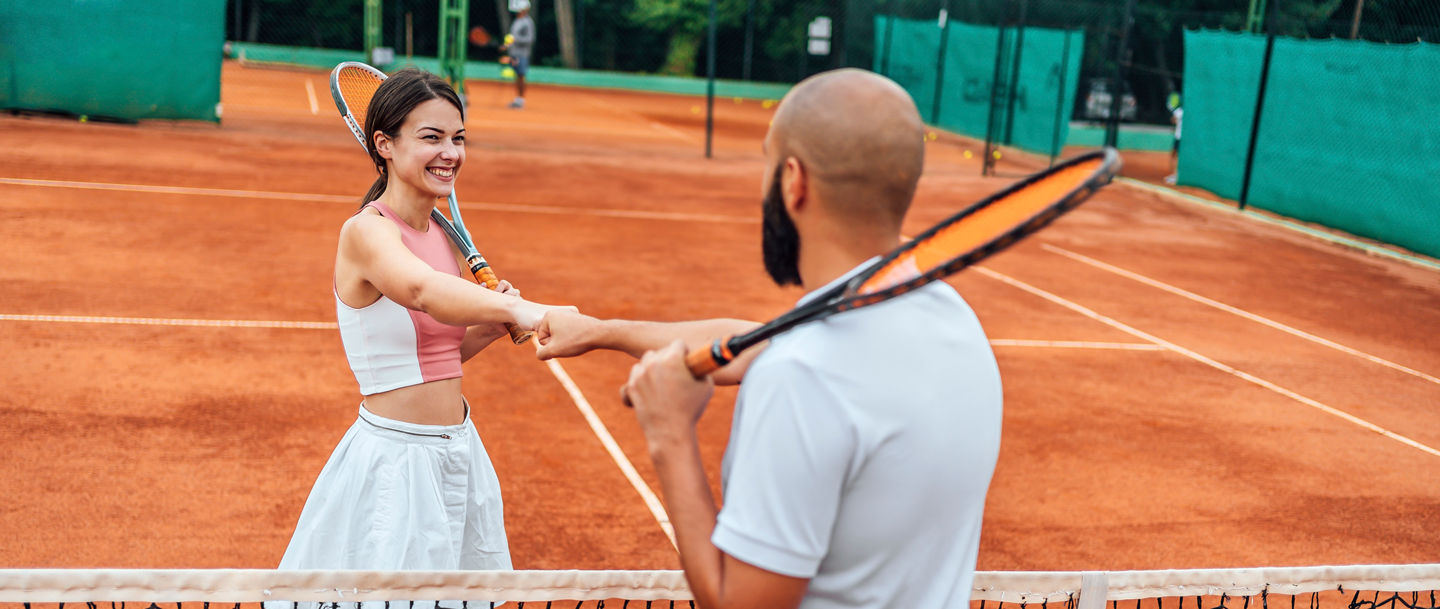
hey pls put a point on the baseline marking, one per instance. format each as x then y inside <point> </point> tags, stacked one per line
<point>1204,360</point>
<point>310,92</point>
<point>330,325</point>
<point>293,196</point>
<point>603,433</point>
<point>159,321</point>
<point>1074,344</point>
<point>1237,311</point>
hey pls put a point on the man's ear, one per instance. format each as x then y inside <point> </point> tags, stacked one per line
<point>794,184</point>
<point>382,144</point>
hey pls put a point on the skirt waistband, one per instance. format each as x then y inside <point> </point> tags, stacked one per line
<point>444,432</point>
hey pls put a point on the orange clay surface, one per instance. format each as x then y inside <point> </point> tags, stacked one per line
<point>1143,429</point>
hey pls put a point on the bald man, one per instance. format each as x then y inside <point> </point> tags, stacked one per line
<point>862,445</point>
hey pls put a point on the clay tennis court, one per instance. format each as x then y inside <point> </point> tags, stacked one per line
<point>1184,387</point>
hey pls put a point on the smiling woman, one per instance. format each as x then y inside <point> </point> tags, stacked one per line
<point>410,486</point>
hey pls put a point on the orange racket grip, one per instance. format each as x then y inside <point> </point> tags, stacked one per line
<point>704,361</point>
<point>486,276</point>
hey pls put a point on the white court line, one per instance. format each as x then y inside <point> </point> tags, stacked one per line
<point>1073,344</point>
<point>330,325</point>
<point>294,196</point>
<point>1204,360</point>
<point>310,91</point>
<point>596,425</point>
<point>160,321</point>
<point>1236,311</point>
<point>603,433</point>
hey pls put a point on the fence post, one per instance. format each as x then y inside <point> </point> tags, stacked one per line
<point>1117,93</point>
<point>1060,99</point>
<point>988,161</point>
<point>1015,73</point>
<point>1259,102</point>
<point>710,81</point>
<point>940,62</point>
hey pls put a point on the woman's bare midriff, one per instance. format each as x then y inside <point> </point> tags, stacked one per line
<point>432,403</point>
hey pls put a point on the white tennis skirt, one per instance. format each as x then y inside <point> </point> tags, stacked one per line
<point>402,496</point>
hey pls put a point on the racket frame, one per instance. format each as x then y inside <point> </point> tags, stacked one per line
<point>846,296</point>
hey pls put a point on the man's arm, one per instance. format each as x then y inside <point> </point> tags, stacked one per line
<point>569,335</point>
<point>668,402</point>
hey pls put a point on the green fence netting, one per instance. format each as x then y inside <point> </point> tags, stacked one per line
<point>1347,135</point>
<point>111,58</point>
<point>1023,101</point>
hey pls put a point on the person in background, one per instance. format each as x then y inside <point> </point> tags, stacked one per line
<point>519,44</point>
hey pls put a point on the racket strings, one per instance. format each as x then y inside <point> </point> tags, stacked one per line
<point>356,87</point>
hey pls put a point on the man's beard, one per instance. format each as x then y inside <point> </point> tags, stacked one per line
<point>779,241</point>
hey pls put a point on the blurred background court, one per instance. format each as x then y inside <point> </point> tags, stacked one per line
<point>1187,384</point>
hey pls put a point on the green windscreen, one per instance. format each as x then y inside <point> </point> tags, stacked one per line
<point>1028,107</point>
<point>1348,134</point>
<point>113,58</point>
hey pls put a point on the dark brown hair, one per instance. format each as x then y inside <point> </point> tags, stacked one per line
<point>392,102</point>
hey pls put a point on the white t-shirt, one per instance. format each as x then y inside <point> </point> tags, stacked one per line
<point>861,451</point>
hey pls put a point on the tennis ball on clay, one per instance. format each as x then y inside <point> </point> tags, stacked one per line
<point>84,118</point>
<point>507,73</point>
<point>968,155</point>
<point>694,109</point>
<point>737,100</point>
<point>767,104</point>
<point>931,136</point>
<point>997,154</point>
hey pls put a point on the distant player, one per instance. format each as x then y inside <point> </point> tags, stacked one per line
<point>1177,114</point>
<point>519,44</point>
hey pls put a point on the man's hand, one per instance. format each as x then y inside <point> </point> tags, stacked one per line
<point>668,400</point>
<point>565,334</point>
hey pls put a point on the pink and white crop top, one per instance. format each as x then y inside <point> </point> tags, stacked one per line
<point>390,346</point>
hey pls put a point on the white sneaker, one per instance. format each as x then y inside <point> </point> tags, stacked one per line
<point>518,103</point>
<point>1170,179</point>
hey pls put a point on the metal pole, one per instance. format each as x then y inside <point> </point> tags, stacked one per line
<point>889,34</point>
<point>1015,74</point>
<point>749,38</point>
<point>995,77</point>
<point>940,62</point>
<point>710,85</point>
<point>1355,23</point>
<point>1259,105</point>
<point>1060,99</point>
<point>1117,92</point>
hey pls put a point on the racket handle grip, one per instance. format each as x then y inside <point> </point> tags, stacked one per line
<point>703,361</point>
<point>486,276</point>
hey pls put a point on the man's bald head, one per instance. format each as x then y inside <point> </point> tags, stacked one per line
<point>860,139</point>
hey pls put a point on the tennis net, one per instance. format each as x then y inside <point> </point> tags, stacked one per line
<point>1337,587</point>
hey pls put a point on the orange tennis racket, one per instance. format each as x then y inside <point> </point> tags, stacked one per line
<point>352,84</point>
<point>961,240</point>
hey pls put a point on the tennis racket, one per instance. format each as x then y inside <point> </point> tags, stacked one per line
<point>481,38</point>
<point>959,241</point>
<point>352,84</point>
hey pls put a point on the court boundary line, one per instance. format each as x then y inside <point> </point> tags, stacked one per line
<point>292,196</point>
<point>310,93</point>
<point>171,321</point>
<point>1282,223</point>
<point>1136,332</point>
<point>330,325</point>
<point>1160,285</point>
<point>597,427</point>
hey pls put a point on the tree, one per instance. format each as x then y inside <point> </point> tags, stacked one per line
<point>687,21</point>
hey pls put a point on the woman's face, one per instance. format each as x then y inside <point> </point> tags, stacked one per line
<point>429,149</point>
